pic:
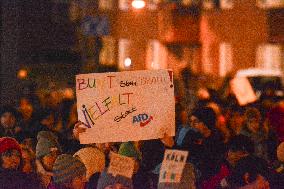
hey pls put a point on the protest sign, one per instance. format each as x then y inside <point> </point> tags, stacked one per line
<point>172,166</point>
<point>242,88</point>
<point>121,165</point>
<point>126,106</point>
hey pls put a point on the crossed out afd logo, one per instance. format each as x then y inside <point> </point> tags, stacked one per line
<point>143,119</point>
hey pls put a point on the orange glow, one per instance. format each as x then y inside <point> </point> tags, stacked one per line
<point>138,4</point>
<point>22,74</point>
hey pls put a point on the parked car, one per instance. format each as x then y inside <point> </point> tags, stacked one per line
<point>260,80</point>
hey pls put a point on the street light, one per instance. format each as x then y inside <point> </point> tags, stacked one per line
<point>127,62</point>
<point>138,4</point>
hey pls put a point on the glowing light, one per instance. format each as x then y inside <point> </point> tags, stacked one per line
<point>138,4</point>
<point>22,74</point>
<point>127,62</point>
<point>68,93</point>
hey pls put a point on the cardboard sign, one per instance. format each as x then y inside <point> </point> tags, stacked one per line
<point>242,88</point>
<point>126,106</point>
<point>172,166</point>
<point>121,165</point>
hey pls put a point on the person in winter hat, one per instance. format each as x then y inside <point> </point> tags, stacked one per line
<point>93,159</point>
<point>10,152</point>
<point>47,150</point>
<point>210,149</point>
<point>69,172</point>
<point>11,175</point>
<point>255,131</point>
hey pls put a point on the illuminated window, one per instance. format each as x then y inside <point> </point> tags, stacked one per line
<point>269,56</point>
<point>270,3</point>
<point>107,54</point>
<point>124,54</point>
<point>226,4</point>
<point>153,4</point>
<point>156,57</point>
<point>226,59</point>
<point>123,5</point>
<point>190,2</point>
<point>106,4</point>
<point>208,4</point>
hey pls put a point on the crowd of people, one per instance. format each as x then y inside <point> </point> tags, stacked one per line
<point>229,146</point>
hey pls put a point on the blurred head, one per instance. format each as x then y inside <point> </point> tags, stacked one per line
<point>69,171</point>
<point>10,153</point>
<point>252,118</point>
<point>8,117</point>
<point>28,157</point>
<point>26,108</point>
<point>250,171</point>
<point>47,149</point>
<point>204,120</point>
<point>236,120</point>
<point>46,118</point>
<point>240,146</point>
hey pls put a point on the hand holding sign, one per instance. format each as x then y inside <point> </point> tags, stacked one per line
<point>79,127</point>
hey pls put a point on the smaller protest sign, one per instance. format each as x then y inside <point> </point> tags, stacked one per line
<point>242,88</point>
<point>121,165</point>
<point>172,166</point>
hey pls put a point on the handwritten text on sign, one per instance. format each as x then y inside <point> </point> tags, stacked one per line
<point>125,106</point>
<point>121,165</point>
<point>172,166</point>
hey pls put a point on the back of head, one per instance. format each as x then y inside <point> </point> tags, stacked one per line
<point>252,113</point>
<point>241,143</point>
<point>250,166</point>
<point>128,149</point>
<point>47,142</point>
<point>207,116</point>
<point>66,168</point>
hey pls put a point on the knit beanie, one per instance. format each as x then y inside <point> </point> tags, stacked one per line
<point>7,143</point>
<point>93,159</point>
<point>46,141</point>
<point>207,116</point>
<point>128,149</point>
<point>280,152</point>
<point>66,168</point>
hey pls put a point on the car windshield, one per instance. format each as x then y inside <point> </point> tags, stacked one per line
<point>261,83</point>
